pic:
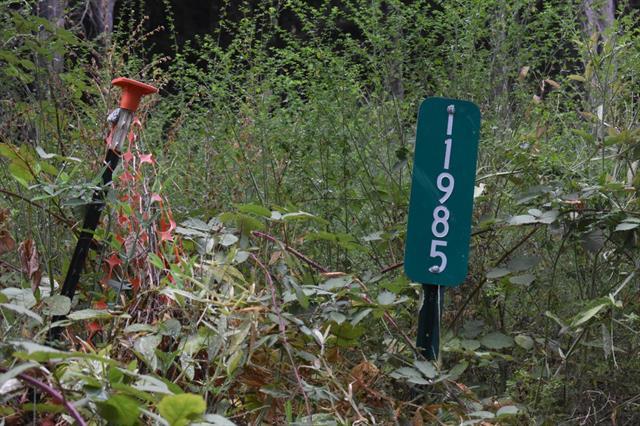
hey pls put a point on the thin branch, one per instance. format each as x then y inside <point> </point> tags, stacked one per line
<point>283,331</point>
<point>55,394</point>
<point>62,220</point>
<point>291,250</point>
<point>484,279</point>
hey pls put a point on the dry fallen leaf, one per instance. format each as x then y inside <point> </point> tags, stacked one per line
<point>7,243</point>
<point>30,262</point>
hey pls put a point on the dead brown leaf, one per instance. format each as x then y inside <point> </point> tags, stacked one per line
<point>30,262</point>
<point>7,243</point>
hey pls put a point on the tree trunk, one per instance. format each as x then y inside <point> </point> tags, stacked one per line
<point>600,16</point>
<point>102,14</point>
<point>53,11</point>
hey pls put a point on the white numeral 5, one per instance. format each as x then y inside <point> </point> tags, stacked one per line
<point>435,253</point>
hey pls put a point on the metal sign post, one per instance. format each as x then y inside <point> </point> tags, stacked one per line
<point>439,226</point>
<point>132,91</point>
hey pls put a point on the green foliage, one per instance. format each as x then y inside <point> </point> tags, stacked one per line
<point>307,136</point>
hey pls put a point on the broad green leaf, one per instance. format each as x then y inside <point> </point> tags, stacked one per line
<point>216,420</point>
<point>524,341</point>
<point>336,283</point>
<point>180,410</point>
<point>524,219</point>
<point>10,374</point>
<point>20,173</point>
<point>507,410</point>
<point>525,279</point>
<point>86,314</point>
<point>386,298</point>
<point>494,273</point>
<point>586,315</point>
<point>496,340</point>
<point>119,410</point>
<point>469,344</point>
<point>56,305</point>
<point>626,226</point>
<point>22,311</point>
<point>411,375</point>
<point>146,347</point>
<point>228,239</point>
<point>482,414</point>
<point>522,263</point>
<point>426,368</point>
<point>254,209</point>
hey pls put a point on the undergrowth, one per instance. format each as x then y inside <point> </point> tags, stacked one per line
<point>248,265</point>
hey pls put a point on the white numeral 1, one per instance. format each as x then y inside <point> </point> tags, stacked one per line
<point>447,154</point>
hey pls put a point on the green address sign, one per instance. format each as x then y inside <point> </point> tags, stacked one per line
<point>444,171</point>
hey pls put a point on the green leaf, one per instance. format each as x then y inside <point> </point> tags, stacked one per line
<point>228,239</point>
<point>17,370</point>
<point>411,375</point>
<point>336,283</point>
<point>180,410</point>
<point>146,347</point>
<point>524,341</point>
<point>494,273</point>
<point>496,340</point>
<point>426,368</point>
<point>522,263</point>
<point>7,151</point>
<point>20,173</point>
<point>626,226</point>
<point>254,209</point>
<point>470,344</point>
<point>86,314</point>
<point>217,420</point>
<point>507,410</point>
<point>56,305</point>
<point>576,77</point>
<point>586,315</point>
<point>234,361</point>
<point>525,279</point>
<point>22,311</point>
<point>119,410</point>
<point>386,298</point>
<point>524,219</point>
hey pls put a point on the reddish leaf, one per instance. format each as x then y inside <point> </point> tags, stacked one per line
<point>114,261</point>
<point>146,158</point>
<point>127,157</point>
<point>126,177</point>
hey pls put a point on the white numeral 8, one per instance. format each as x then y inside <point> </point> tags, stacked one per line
<point>440,217</point>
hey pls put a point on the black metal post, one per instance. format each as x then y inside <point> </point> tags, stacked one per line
<point>428,341</point>
<point>91,220</point>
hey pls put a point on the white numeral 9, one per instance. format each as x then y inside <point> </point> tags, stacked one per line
<point>448,189</point>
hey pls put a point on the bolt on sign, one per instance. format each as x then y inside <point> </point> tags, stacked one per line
<point>444,172</point>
